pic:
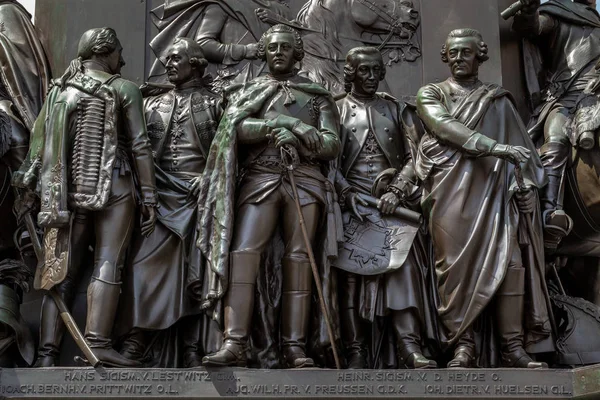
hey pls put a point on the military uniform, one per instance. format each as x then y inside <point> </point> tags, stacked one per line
<point>376,134</point>
<point>264,200</point>
<point>165,270</point>
<point>84,160</point>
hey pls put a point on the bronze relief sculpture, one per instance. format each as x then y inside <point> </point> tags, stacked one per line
<point>228,32</point>
<point>476,151</point>
<point>280,224</point>
<point>378,134</point>
<point>165,271</point>
<point>563,92</point>
<point>391,25</point>
<point>89,144</point>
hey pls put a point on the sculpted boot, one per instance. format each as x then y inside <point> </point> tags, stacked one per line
<point>295,311</point>
<point>52,330</point>
<point>102,303</point>
<point>509,321</point>
<point>464,353</point>
<point>191,342</point>
<point>557,224</point>
<point>408,335</point>
<point>134,345</point>
<point>352,332</point>
<point>239,305</point>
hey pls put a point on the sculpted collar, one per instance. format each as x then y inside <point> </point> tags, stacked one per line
<point>283,84</point>
<point>188,87</point>
<point>362,98</point>
<point>283,77</point>
<point>461,88</point>
<point>194,83</point>
<point>96,65</point>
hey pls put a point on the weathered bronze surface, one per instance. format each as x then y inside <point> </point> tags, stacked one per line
<point>164,271</point>
<point>301,186</point>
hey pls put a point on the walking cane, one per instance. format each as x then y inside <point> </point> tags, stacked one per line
<point>288,155</point>
<point>60,304</point>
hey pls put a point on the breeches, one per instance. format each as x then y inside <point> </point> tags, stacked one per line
<point>111,228</point>
<point>554,125</point>
<point>256,222</point>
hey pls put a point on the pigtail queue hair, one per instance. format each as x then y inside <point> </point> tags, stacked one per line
<point>75,66</point>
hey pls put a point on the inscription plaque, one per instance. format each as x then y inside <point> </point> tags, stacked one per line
<point>201,383</point>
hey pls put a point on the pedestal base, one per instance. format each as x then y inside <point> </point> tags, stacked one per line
<point>201,383</point>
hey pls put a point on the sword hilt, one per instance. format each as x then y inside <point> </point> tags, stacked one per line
<point>289,156</point>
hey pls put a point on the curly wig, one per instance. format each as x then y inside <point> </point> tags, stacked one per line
<point>482,47</point>
<point>352,62</point>
<point>280,28</point>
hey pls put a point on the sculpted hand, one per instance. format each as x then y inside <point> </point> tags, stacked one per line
<point>514,154</point>
<point>148,220</point>
<point>267,16</point>
<point>388,203</point>
<point>530,6</point>
<point>526,200</point>
<point>283,136</point>
<point>25,203</point>
<point>311,139</point>
<point>195,187</point>
<point>252,51</point>
<point>352,201</point>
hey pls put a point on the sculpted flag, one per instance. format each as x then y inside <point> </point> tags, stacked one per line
<point>377,245</point>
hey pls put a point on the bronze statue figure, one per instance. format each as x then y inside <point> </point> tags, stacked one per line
<point>89,146</point>
<point>563,47</point>
<point>164,273</point>
<point>377,135</point>
<point>265,115</point>
<point>23,84</point>
<point>228,31</point>
<point>480,175</point>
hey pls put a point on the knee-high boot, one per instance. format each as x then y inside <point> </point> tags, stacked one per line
<point>509,321</point>
<point>408,335</point>
<point>191,342</point>
<point>134,345</point>
<point>239,304</point>
<point>52,327</point>
<point>557,224</point>
<point>352,332</point>
<point>102,303</point>
<point>295,311</point>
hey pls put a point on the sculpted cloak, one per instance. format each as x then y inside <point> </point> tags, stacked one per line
<point>473,219</point>
<point>216,214</point>
<point>24,80</point>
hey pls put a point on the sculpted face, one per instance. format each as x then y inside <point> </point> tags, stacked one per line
<point>279,47</point>
<point>462,57</point>
<point>369,70</point>
<point>115,60</point>
<point>178,65</point>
